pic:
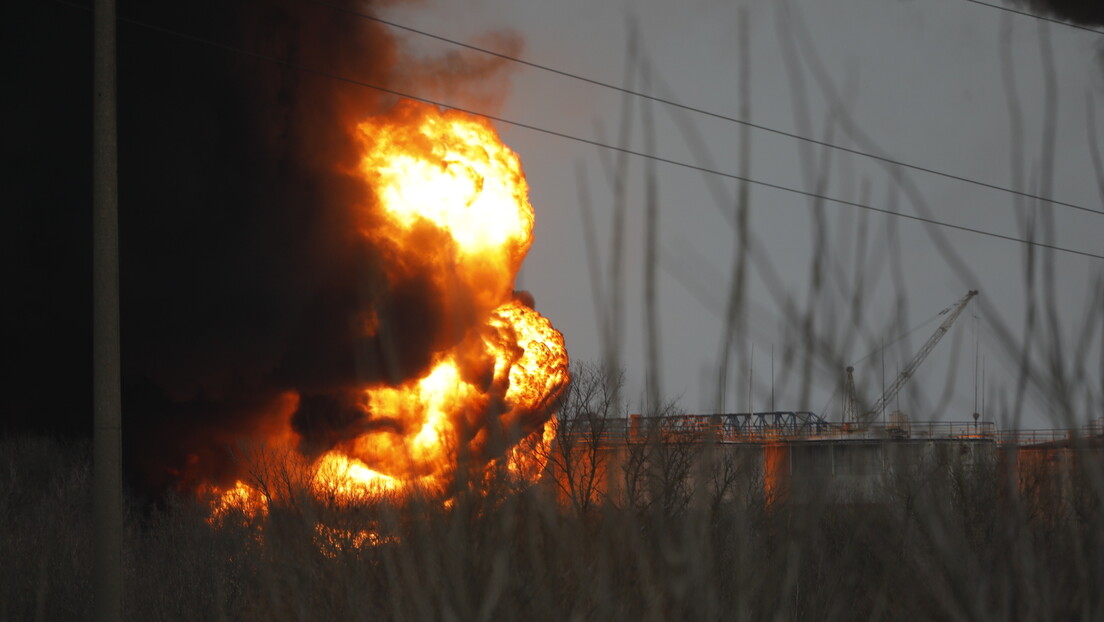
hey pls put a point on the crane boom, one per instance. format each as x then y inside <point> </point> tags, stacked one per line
<point>891,391</point>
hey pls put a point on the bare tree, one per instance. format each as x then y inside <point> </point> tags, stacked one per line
<point>579,456</point>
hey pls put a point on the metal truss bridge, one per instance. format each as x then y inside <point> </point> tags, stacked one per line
<point>728,427</point>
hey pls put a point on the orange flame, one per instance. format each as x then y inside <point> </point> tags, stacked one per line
<point>432,415</point>
<point>448,171</point>
<point>447,188</point>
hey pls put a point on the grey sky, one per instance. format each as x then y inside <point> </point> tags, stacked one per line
<point>922,79</point>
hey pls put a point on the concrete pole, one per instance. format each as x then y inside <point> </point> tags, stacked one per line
<point>107,394</point>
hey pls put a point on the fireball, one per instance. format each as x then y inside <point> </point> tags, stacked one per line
<point>446,192</point>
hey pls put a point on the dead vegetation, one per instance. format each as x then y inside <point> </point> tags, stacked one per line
<point>677,541</point>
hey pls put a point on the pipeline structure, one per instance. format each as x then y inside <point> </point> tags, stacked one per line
<point>800,455</point>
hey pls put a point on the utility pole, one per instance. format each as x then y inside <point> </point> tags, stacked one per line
<point>107,472</point>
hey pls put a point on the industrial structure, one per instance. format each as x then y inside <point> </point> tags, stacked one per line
<point>801,455</point>
<point>855,413</point>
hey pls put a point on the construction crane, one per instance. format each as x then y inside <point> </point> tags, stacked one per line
<point>852,412</point>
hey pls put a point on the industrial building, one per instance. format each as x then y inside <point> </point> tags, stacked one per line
<point>800,456</point>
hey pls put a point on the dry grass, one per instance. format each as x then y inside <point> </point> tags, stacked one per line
<point>952,544</point>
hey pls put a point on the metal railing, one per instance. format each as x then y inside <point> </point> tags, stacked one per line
<point>786,426</point>
<point>1093,433</point>
<point>943,430</point>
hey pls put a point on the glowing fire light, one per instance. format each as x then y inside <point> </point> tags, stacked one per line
<point>449,171</point>
<point>446,187</point>
<point>529,368</point>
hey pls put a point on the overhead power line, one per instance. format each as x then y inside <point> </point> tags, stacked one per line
<point>1037,16</point>
<point>586,141</point>
<point>715,115</point>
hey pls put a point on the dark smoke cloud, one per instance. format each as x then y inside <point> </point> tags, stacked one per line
<point>244,278</point>
<point>1083,12</point>
<point>45,278</point>
<point>244,274</point>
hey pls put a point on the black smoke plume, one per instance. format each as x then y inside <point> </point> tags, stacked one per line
<point>1083,12</point>
<point>243,274</point>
